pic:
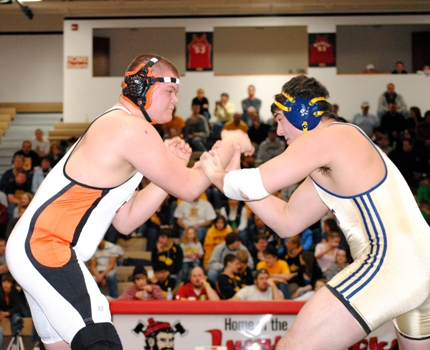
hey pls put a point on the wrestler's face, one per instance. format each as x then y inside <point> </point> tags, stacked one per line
<point>164,100</point>
<point>285,128</point>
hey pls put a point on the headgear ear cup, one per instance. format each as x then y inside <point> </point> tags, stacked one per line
<point>304,114</point>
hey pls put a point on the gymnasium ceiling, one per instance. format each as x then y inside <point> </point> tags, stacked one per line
<point>196,8</point>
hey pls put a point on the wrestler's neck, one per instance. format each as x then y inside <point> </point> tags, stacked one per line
<point>124,103</point>
<point>325,122</point>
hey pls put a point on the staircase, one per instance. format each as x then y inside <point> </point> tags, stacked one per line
<point>23,128</point>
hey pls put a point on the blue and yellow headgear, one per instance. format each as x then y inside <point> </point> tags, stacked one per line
<point>304,114</point>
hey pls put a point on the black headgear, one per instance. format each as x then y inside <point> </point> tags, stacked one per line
<point>138,85</point>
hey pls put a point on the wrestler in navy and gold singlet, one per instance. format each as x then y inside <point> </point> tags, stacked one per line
<point>46,251</point>
<point>389,240</point>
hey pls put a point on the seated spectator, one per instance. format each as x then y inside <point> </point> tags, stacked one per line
<point>203,102</point>
<point>9,175</point>
<point>341,261</point>
<point>55,153</point>
<point>9,302</point>
<point>278,270</point>
<point>193,252</point>
<point>425,70</point>
<point>400,68</point>
<point>258,248</point>
<point>169,253</point>
<point>224,112</point>
<point>40,173</point>
<point>250,105</point>
<point>256,227</point>
<point>15,189</point>
<point>24,202</point>
<point>31,158</point>
<point>177,124</point>
<point>259,131</point>
<point>306,294</point>
<point>271,147</point>
<point>215,235</point>
<point>198,214</point>
<point>384,144</point>
<point>198,288</point>
<point>39,144</point>
<point>142,289</point>
<point>264,288</point>
<point>215,197</point>
<point>235,213</point>
<point>388,97</point>
<point>291,253</point>
<point>228,282</point>
<point>231,245</point>
<point>103,264</point>
<point>325,252</point>
<point>307,239</point>
<point>236,124</point>
<point>3,220</point>
<point>370,69</point>
<point>160,220</point>
<point>163,279</point>
<point>394,124</point>
<point>411,162</point>
<point>330,225</point>
<point>365,120</point>
<point>196,130</point>
<point>245,273</point>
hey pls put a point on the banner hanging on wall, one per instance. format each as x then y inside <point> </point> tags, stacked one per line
<point>322,50</point>
<point>199,51</point>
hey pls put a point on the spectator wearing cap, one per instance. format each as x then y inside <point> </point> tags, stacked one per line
<point>264,288</point>
<point>370,69</point>
<point>364,120</point>
<point>271,147</point>
<point>163,278</point>
<point>142,289</point>
<point>198,288</point>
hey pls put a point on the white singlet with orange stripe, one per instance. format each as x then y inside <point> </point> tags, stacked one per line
<point>389,241</point>
<point>61,229</point>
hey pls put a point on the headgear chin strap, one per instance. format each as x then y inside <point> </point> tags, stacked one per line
<point>304,114</point>
<point>138,85</point>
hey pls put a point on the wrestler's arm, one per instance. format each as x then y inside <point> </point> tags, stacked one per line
<point>304,207</point>
<point>149,155</point>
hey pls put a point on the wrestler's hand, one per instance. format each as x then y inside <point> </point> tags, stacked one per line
<point>240,138</point>
<point>180,148</point>
<point>212,167</point>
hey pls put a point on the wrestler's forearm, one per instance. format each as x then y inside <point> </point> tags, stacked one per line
<point>139,209</point>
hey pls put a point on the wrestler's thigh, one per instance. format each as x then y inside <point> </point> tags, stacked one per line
<point>324,323</point>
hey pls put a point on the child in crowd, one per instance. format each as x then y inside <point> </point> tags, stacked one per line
<point>341,261</point>
<point>325,252</point>
<point>193,252</point>
<point>142,289</point>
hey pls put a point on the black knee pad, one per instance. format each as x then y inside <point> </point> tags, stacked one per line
<point>97,336</point>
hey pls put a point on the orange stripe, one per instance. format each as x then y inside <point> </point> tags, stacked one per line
<point>55,227</point>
